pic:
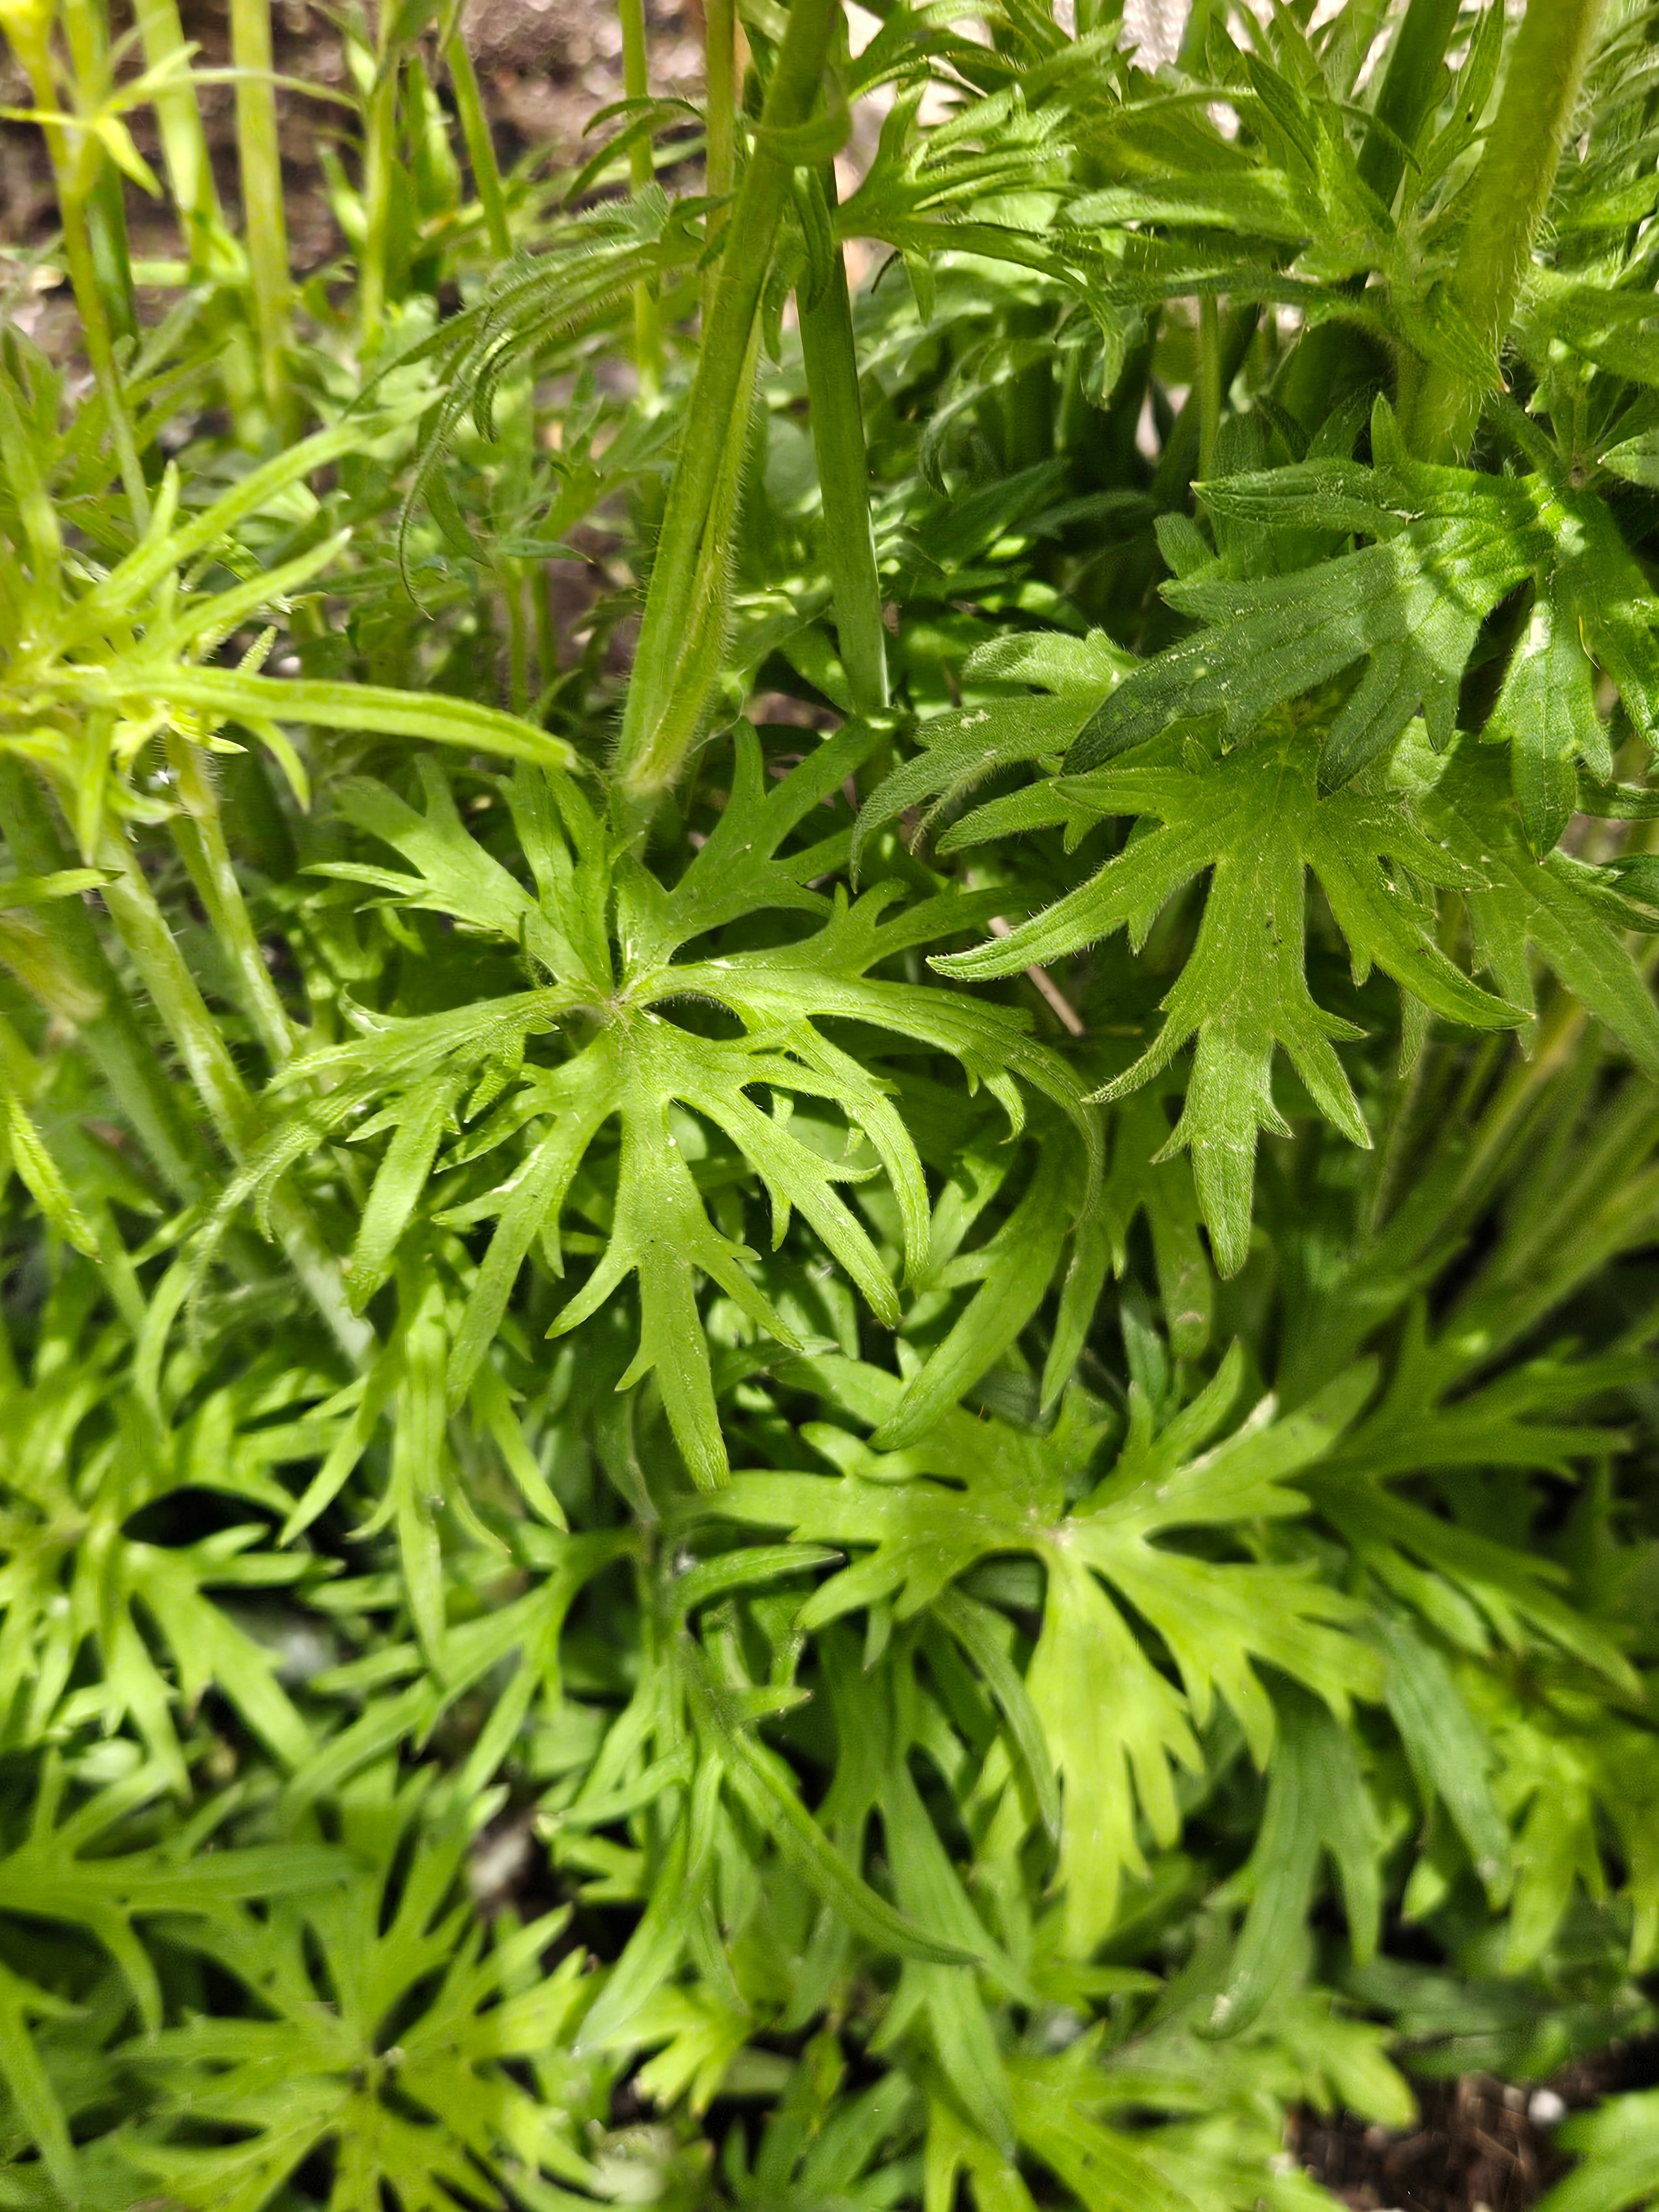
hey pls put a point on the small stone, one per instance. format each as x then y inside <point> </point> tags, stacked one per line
<point>1545,2109</point>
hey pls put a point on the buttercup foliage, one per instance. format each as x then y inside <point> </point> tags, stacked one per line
<point>827,1065</point>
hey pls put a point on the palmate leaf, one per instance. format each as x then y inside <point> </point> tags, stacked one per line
<point>632,1061</point>
<point>380,2028</point>
<point>686,1761</point>
<point>1448,545</point>
<point>1256,818</point>
<point>68,1869</point>
<point>923,1517</point>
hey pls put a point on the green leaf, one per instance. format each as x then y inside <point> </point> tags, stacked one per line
<point>1317,1802</point>
<point>37,2104</point>
<point>1450,1759</point>
<point>306,2077</point>
<point>1618,2144</point>
<point>633,1060</point>
<point>971,1489</point>
<point>1107,2169</point>
<point>1564,910</point>
<point>1450,544</point>
<point>1254,817</point>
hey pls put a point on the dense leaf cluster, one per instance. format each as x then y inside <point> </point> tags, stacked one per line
<point>687,1515</point>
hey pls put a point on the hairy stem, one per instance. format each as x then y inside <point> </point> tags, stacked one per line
<point>1507,200</point>
<point>720,122</point>
<point>830,356</point>
<point>666,699</point>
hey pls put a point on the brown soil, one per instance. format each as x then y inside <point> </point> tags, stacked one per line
<point>545,67</point>
<point>1477,2148</point>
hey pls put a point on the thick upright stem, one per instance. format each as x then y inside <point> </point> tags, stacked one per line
<point>184,141</point>
<point>480,146</point>
<point>380,137</point>
<point>1507,200</point>
<point>838,416</point>
<point>636,84</point>
<point>1211,391</point>
<point>720,121</point>
<point>259,160</point>
<point>661,721</point>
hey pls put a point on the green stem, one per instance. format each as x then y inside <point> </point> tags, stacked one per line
<point>641,168</point>
<point>1175,463</point>
<point>667,698</point>
<point>1506,203</point>
<point>1210,391</point>
<point>719,123</point>
<point>518,636</point>
<point>183,140</point>
<point>258,156</point>
<point>200,833</point>
<point>480,146</point>
<point>547,634</point>
<point>29,41</point>
<point>829,353</point>
<point>143,930</point>
<point>380,149</point>
<point>107,218</point>
<point>139,1082</point>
